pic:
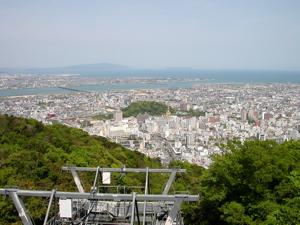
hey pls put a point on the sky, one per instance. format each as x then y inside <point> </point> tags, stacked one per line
<point>200,34</point>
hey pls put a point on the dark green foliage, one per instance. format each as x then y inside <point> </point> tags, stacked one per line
<point>142,107</point>
<point>252,183</point>
<point>189,181</point>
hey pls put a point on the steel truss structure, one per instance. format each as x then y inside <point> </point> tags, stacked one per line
<point>95,208</point>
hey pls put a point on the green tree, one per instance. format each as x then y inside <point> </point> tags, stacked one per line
<point>250,183</point>
<point>142,107</point>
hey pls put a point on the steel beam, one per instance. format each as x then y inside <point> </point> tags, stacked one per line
<point>146,192</point>
<point>174,211</point>
<point>115,197</point>
<point>49,206</point>
<point>96,177</point>
<point>171,179</point>
<point>23,213</point>
<point>124,170</point>
<point>77,180</point>
<point>133,208</point>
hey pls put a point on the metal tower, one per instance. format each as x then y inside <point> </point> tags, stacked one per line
<point>96,208</point>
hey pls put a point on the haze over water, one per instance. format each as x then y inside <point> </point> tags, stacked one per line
<point>218,76</point>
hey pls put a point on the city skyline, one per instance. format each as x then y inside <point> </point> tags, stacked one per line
<point>158,34</point>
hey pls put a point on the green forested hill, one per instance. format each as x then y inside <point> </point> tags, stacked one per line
<point>32,154</point>
<point>257,182</point>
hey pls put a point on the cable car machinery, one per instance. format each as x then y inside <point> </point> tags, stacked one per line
<point>95,208</point>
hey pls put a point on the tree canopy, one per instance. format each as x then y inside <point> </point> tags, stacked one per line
<point>142,107</point>
<point>252,183</point>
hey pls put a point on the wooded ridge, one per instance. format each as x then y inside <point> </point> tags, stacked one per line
<point>256,182</point>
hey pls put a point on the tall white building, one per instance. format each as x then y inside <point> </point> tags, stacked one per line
<point>118,115</point>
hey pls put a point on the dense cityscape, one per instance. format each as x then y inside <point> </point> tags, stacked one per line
<point>229,112</point>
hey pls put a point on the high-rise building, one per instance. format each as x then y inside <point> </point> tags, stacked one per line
<point>244,115</point>
<point>118,115</point>
<point>189,139</point>
<point>183,106</point>
<point>204,106</point>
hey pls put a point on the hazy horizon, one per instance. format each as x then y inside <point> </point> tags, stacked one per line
<point>126,67</point>
<point>203,34</point>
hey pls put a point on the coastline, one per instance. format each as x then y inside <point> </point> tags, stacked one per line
<point>100,88</point>
<point>138,79</point>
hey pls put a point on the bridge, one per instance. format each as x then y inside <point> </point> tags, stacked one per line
<point>72,89</point>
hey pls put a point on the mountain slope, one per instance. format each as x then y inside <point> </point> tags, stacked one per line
<point>32,154</point>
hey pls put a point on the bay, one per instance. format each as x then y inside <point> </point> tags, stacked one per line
<point>99,88</point>
<point>212,76</point>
